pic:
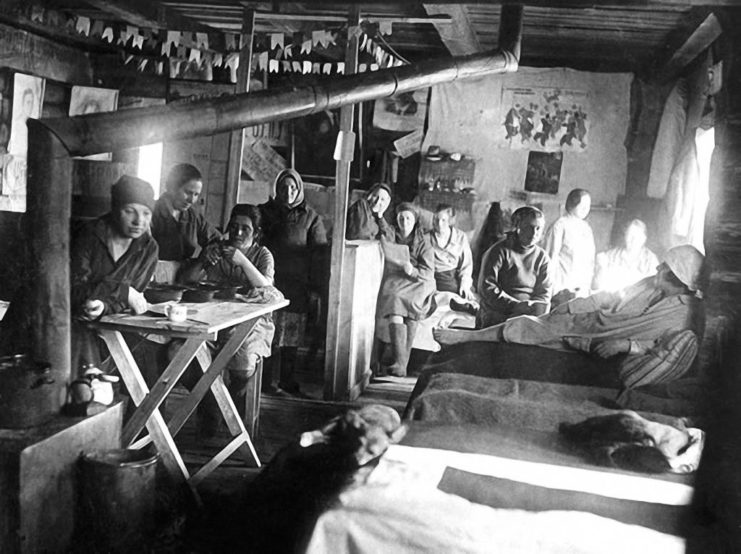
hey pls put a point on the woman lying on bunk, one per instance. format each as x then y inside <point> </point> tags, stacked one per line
<point>656,323</point>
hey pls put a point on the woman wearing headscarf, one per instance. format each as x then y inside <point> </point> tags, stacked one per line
<point>407,287</point>
<point>179,228</point>
<point>295,234</point>
<point>365,219</point>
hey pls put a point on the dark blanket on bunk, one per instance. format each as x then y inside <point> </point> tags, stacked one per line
<point>546,448</point>
<point>517,361</point>
<point>455,398</point>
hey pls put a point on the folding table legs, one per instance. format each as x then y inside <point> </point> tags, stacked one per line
<point>138,391</point>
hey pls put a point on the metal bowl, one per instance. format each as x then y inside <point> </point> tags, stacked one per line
<point>163,293</point>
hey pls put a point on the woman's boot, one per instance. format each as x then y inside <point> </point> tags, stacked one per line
<point>288,355</point>
<point>398,336</point>
<point>411,326</point>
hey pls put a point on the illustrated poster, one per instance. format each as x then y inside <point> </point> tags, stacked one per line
<point>544,119</point>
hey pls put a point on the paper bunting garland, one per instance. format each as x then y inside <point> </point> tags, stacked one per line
<point>157,51</point>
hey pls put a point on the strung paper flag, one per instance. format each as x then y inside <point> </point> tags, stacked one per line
<point>173,37</point>
<point>288,51</point>
<point>207,59</point>
<point>331,37</point>
<point>218,59</point>
<point>327,68</point>
<point>319,37</point>
<point>83,25</point>
<point>384,27</point>
<point>165,50</point>
<point>53,18</point>
<point>286,66</point>
<point>399,63</point>
<point>316,68</point>
<point>279,54</point>
<point>186,39</point>
<point>306,47</point>
<point>182,51</point>
<point>229,41</point>
<point>296,67</point>
<point>341,68</point>
<point>362,68</point>
<point>363,42</point>
<point>159,68</point>
<point>276,40</point>
<point>202,41</point>
<point>138,41</point>
<point>128,59</point>
<point>97,29</point>
<point>142,64</point>
<point>307,67</point>
<point>107,34</point>
<point>370,46</point>
<point>273,66</point>
<point>175,65</point>
<point>37,14</point>
<point>262,61</point>
<point>374,67</point>
<point>391,61</point>
<point>131,31</point>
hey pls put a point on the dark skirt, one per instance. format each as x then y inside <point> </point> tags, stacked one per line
<point>447,281</point>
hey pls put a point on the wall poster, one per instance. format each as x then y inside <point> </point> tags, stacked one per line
<point>85,100</point>
<point>543,172</point>
<point>402,112</point>
<point>21,98</point>
<point>544,118</point>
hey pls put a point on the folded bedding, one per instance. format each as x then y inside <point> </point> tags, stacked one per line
<point>457,398</point>
<point>483,490</point>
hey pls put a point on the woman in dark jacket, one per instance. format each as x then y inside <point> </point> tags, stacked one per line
<point>178,227</point>
<point>295,234</point>
<point>365,217</point>
<point>407,290</point>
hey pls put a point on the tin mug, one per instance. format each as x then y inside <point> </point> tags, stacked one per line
<point>177,313</point>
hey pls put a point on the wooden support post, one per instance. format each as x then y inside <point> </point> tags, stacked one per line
<point>234,167</point>
<point>510,29</point>
<point>335,370</point>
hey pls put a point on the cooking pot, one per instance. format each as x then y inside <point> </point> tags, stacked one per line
<point>29,394</point>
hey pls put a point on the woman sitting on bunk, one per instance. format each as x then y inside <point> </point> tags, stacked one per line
<point>407,287</point>
<point>453,258</point>
<point>365,219</point>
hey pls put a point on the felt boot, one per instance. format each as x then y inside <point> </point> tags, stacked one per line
<point>398,336</point>
<point>411,326</point>
<point>238,389</point>
<point>288,356</point>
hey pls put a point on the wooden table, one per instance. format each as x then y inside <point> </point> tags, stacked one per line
<point>205,321</point>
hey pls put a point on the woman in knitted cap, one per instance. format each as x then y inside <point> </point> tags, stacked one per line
<point>407,290</point>
<point>112,261</point>
<point>295,234</point>
<point>178,227</point>
<point>365,219</point>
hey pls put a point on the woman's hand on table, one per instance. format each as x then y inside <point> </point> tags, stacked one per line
<point>137,302</point>
<point>92,309</point>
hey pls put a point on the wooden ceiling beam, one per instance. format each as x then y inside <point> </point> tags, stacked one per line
<point>700,40</point>
<point>656,4</point>
<point>150,14</point>
<point>457,34</point>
